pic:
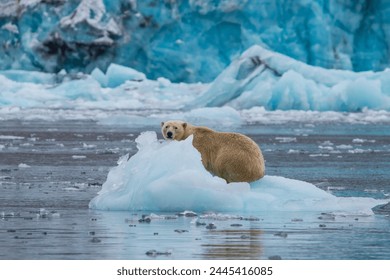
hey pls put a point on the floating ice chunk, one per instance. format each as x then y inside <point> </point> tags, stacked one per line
<point>56,215</point>
<point>358,140</point>
<point>169,176</point>
<point>286,139</point>
<point>187,213</point>
<point>116,75</point>
<point>359,151</point>
<point>78,157</point>
<point>343,146</point>
<point>163,82</point>
<point>329,148</point>
<point>23,165</point>
<point>99,76</point>
<point>89,146</point>
<point>11,137</point>
<point>260,77</point>
<point>318,155</point>
<point>71,189</point>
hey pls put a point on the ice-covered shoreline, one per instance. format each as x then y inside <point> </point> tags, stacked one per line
<point>222,116</point>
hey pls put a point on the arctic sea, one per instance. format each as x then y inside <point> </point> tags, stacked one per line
<point>325,175</point>
<point>84,173</point>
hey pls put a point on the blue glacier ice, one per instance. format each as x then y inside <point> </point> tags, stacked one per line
<point>257,80</point>
<point>152,181</point>
<point>274,81</point>
<point>190,40</point>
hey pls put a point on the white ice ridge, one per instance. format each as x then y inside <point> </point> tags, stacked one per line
<point>169,176</point>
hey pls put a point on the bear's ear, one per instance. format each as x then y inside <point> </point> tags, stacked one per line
<point>184,125</point>
<point>162,124</point>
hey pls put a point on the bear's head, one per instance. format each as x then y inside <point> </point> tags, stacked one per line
<point>174,130</point>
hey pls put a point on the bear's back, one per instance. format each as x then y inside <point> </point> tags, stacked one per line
<point>204,136</point>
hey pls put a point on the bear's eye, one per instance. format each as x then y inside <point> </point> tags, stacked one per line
<point>167,126</point>
<point>175,127</point>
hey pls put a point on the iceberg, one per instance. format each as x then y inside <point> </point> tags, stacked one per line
<point>177,181</point>
<point>274,81</point>
<point>259,78</point>
<point>116,75</point>
<point>192,40</point>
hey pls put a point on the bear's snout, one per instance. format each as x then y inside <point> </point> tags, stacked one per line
<point>169,134</point>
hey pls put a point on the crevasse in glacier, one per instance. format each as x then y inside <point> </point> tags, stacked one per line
<point>190,40</point>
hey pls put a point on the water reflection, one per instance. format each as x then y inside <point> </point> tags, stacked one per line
<point>232,244</point>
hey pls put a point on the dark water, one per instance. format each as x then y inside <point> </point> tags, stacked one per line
<point>49,171</point>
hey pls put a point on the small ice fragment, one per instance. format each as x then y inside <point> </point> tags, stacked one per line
<point>344,147</point>
<point>286,139</point>
<point>281,234</point>
<point>358,140</point>
<point>11,137</point>
<point>88,146</point>
<point>180,230</point>
<point>187,214</point>
<point>211,226</point>
<point>95,240</point>
<point>146,220</point>
<point>163,82</point>
<point>296,220</point>
<point>154,253</point>
<point>78,157</point>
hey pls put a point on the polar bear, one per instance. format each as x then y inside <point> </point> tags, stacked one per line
<point>231,156</point>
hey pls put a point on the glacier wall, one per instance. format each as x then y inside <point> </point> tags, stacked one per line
<point>190,40</point>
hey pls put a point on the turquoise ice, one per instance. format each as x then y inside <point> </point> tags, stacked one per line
<point>202,36</point>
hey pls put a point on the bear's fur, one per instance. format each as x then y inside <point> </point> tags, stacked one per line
<point>231,156</point>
